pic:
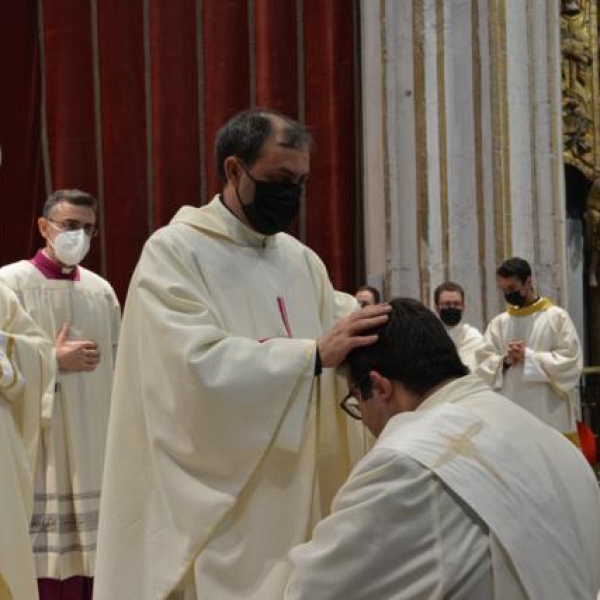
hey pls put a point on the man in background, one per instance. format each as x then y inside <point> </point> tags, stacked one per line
<point>532,353</point>
<point>464,495</point>
<point>79,313</point>
<point>367,296</point>
<point>449,299</point>
<point>27,370</point>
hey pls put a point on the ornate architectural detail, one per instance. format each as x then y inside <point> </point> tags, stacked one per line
<point>592,218</point>
<point>580,80</point>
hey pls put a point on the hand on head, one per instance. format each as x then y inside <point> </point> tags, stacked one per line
<point>347,334</point>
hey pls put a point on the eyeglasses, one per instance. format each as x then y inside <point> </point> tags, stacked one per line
<point>72,225</point>
<point>350,404</point>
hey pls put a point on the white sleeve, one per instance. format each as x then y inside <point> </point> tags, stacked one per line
<point>490,355</point>
<point>563,362</point>
<point>394,532</point>
<point>532,370</point>
<point>11,380</point>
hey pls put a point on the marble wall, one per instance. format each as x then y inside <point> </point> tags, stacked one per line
<point>462,146</point>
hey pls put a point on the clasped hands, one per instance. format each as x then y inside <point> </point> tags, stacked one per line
<point>515,352</point>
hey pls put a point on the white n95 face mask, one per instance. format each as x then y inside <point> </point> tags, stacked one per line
<point>71,247</point>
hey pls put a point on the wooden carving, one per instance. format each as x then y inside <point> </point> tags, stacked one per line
<point>581,129</point>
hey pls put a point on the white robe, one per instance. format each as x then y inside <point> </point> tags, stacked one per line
<point>546,383</point>
<point>467,497</point>
<point>70,461</point>
<point>223,449</point>
<point>467,340</point>
<point>27,369</point>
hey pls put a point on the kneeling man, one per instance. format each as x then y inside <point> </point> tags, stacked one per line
<point>465,494</point>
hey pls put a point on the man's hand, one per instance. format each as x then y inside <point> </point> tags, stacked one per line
<point>516,352</point>
<point>335,345</point>
<point>76,355</point>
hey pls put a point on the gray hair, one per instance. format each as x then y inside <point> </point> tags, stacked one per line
<point>76,197</point>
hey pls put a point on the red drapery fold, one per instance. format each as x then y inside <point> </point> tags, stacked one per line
<point>226,68</point>
<point>276,58</point>
<point>134,95</point>
<point>70,103</point>
<point>175,124</point>
<point>21,174</point>
<point>124,218</point>
<point>330,109</point>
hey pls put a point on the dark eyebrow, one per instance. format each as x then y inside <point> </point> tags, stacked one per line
<point>291,174</point>
<point>79,222</point>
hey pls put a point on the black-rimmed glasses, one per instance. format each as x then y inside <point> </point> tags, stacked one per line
<point>350,404</point>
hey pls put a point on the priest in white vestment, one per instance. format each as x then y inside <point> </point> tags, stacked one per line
<point>27,370</point>
<point>532,353</point>
<point>464,495</point>
<point>449,299</point>
<point>79,313</point>
<point>225,442</point>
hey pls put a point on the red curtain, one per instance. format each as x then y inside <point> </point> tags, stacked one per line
<point>21,174</point>
<point>124,99</point>
<point>121,100</point>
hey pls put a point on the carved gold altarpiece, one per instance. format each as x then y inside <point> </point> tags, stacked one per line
<point>580,83</point>
<point>581,135</point>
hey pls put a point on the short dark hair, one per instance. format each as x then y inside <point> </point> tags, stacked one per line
<point>413,348</point>
<point>76,197</point>
<point>447,286</point>
<point>245,134</point>
<point>515,267</point>
<point>374,291</point>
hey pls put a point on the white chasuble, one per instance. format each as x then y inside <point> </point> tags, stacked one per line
<point>27,369</point>
<point>224,450</point>
<point>468,497</point>
<point>545,383</point>
<point>75,418</point>
<point>467,340</point>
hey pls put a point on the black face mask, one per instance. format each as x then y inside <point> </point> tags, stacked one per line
<point>275,205</point>
<point>451,316</point>
<point>515,299</point>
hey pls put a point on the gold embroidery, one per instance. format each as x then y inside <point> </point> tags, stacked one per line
<point>537,306</point>
<point>462,445</point>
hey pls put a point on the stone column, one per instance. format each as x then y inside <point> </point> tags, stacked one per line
<point>462,145</point>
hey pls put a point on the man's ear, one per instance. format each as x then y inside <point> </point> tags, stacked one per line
<point>232,170</point>
<point>382,387</point>
<point>43,226</point>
